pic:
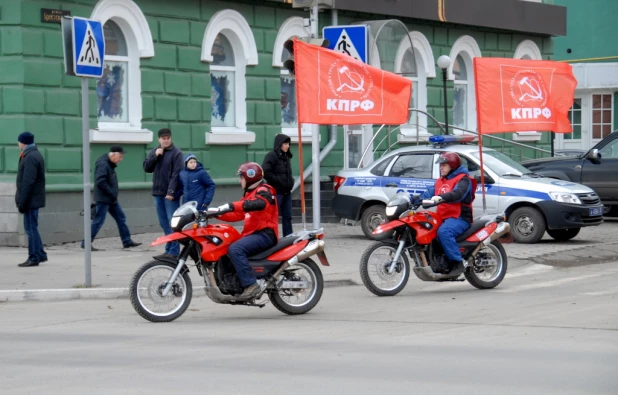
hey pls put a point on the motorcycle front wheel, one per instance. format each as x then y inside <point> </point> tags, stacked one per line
<point>489,267</point>
<point>146,290</point>
<point>374,266</point>
<point>298,301</point>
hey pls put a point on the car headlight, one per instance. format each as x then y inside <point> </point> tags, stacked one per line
<point>390,210</point>
<point>565,197</point>
<point>174,221</point>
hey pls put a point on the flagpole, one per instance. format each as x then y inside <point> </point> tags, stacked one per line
<point>300,150</point>
<point>480,135</point>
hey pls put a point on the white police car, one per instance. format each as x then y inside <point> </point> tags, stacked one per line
<point>532,204</point>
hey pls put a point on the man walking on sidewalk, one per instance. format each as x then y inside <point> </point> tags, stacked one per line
<point>30,196</point>
<point>165,162</point>
<point>106,197</point>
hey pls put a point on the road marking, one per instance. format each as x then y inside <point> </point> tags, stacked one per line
<point>547,284</point>
<point>529,270</point>
<point>606,292</point>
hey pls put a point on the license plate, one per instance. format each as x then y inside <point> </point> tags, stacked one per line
<point>596,211</point>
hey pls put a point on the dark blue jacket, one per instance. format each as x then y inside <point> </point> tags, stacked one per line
<point>105,181</point>
<point>166,169</point>
<point>198,186</point>
<point>30,193</point>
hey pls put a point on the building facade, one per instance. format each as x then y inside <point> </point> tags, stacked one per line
<point>590,47</point>
<point>211,71</point>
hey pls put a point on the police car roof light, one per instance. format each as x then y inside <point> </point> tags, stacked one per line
<point>450,139</point>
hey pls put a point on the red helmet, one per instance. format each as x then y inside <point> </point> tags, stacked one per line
<point>451,158</point>
<point>251,172</point>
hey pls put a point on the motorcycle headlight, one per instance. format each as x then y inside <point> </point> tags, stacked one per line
<point>390,210</point>
<point>174,222</point>
<point>565,197</point>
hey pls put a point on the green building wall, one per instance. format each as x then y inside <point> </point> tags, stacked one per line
<point>37,96</point>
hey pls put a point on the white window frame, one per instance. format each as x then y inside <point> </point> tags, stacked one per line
<point>467,47</point>
<point>425,68</point>
<point>527,48</point>
<point>132,22</point>
<point>291,27</point>
<point>235,28</point>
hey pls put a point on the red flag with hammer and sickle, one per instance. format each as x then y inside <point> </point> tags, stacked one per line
<point>334,88</point>
<point>514,95</point>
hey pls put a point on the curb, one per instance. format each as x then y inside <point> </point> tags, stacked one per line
<point>54,295</point>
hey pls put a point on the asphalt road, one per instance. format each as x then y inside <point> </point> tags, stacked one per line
<point>545,330</point>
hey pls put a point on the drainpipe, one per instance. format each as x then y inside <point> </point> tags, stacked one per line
<point>333,128</point>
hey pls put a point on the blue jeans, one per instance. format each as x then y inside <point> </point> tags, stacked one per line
<point>116,212</point>
<point>448,233</point>
<point>36,253</point>
<point>165,210</point>
<point>245,247</point>
<point>285,210</point>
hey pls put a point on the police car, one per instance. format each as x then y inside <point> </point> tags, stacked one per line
<point>533,204</point>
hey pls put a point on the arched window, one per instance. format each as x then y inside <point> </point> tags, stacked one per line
<point>292,27</point>
<point>229,47</point>
<point>112,87</point>
<point>460,93</point>
<point>461,72</point>
<point>119,101</point>
<point>414,60</point>
<point>527,49</point>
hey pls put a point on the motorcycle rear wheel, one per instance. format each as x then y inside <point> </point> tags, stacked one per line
<point>293,302</point>
<point>372,266</point>
<point>489,267</point>
<point>147,285</point>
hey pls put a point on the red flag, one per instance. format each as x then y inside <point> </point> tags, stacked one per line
<point>334,88</point>
<point>514,95</point>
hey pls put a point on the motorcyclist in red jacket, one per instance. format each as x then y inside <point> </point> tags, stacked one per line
<point>456,189</point>
<point>258,209</point>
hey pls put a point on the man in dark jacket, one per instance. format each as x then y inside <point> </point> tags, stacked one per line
<point>106,197</point>
<point>165,162</point>
<point>30,196</point>
<point>278,174</point>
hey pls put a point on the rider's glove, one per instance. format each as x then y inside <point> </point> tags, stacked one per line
<point>437,199</point>
<point>223,208</point>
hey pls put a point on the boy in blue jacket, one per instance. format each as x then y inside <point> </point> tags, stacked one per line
<point>197,183</point>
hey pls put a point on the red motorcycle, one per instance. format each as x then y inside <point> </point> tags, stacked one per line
<point>161,290</point>
<point>384,266</point>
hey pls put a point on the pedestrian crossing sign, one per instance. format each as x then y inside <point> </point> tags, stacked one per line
<point>88,48</point>
<point>350,40</point>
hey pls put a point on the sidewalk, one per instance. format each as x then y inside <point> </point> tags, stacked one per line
<point>63,276</point>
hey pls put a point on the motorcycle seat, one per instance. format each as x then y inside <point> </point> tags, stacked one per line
<point>476,226</point>
<point>281,244</point>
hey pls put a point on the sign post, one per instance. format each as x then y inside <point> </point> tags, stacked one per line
<point>84,52</point>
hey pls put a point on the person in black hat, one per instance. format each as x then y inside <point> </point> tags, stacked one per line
<point>106,197</point>
<point>165,162</point>
<point>30,196</point>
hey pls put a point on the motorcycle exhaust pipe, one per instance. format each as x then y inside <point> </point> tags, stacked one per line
<point>314,247</point>
<point>502,229</point>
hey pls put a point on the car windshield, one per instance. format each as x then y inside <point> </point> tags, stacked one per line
<point>501,164</point>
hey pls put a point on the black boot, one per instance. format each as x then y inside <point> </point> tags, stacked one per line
<point>28,263</point>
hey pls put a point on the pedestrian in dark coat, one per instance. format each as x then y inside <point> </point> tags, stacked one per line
<point>106,197</point>
<point>30,196</point>
<point>278,173</point>
<point>197,184</point>
<point>165,163</point>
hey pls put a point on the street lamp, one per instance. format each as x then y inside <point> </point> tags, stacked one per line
<point>444,62</point>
